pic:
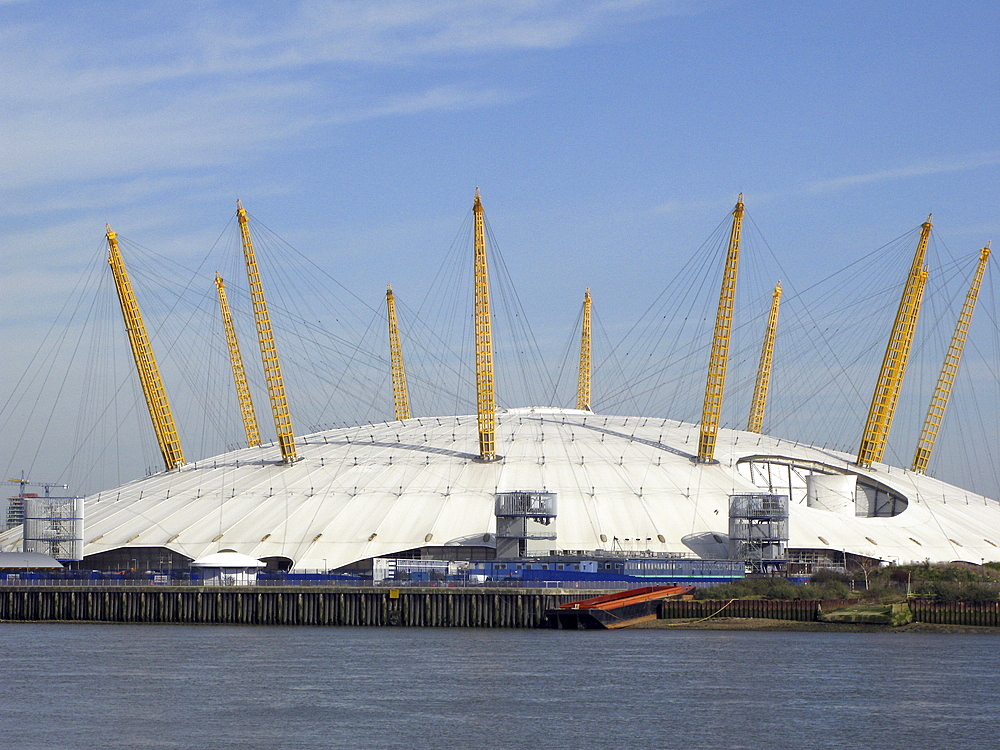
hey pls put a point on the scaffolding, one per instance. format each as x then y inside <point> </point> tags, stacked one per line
<point>758,531</point>
<point>525,523</point>
<point>53,526</point>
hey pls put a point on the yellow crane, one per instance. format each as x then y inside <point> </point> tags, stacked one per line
<point>583,382</point>
<point>400,395</point>
<point>486,401</point>
<point>756,421</point>
<point>712,408</point>
<point>145,363</point>
<point>268,348</point>
<point>897,354</point>
<point>949,370</point>
<point>239,373</point>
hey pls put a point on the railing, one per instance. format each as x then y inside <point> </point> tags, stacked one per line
<point>309,583</point>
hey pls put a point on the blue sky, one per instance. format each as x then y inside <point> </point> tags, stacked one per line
<point>609,138</point>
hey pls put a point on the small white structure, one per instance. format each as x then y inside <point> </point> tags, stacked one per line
<point>228,568</point>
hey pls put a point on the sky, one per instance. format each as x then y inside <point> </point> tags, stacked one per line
<point>609,138</point>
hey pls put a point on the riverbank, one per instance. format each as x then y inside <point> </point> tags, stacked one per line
<point>454,607</point>
<point>767,624</point>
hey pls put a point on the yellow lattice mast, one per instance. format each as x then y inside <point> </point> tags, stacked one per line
<point>486,401</point>
<point>268,348</point>
<point>145,362</point>
<point>949,370</point>
<point>239,373</point>
<point>756,421</point>
<point>897,354</point>
<point>583,382</point>
<point>712,408</point>
<point>400,395</point>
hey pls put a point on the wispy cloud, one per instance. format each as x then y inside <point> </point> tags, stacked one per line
<point>922,169</point>
<point>96,96</point>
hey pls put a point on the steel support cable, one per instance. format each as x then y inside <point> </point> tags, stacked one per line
<point>451,284</point>
<point>638,373</point>
<point>60,341</point>
<point>609,361</point>
<point>822,332</point>
<point>409,327</point>
<point>174,329</point>
<point>13,398</point>
<point>514,310</point>
<point>574,338</point>
<point>794,296</point>
<point>690,284</point>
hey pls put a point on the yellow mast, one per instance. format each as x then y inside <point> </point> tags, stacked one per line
<point>583,382</point>
<point>239,373</point>
<point>949,370</point>
<point>712,408</point>
<point>268,348</point>
<point>897,353</point>
<point>485,393</point>
<point>756,421</point>
<point>145,362</point>
<point>400,395</point>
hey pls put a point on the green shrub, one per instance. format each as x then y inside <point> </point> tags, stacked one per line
<point>956,591</point>
<point>826,575</point>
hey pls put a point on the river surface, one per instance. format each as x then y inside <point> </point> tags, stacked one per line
<point>167,686</point>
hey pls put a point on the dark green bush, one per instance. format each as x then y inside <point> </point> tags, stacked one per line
<point>826,575</point>
<point>956,591</point>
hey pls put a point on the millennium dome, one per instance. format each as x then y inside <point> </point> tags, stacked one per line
<point>430,487</point>
<point>625,483</point>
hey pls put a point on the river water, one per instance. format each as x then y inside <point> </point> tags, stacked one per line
<point>163,686</point>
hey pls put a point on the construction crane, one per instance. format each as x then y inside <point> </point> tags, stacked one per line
<point>949,370</point>
<point>400,395</point>
<point>756,420</point>
<point>486,402</point>
<point>712,408</point>
<point>15,510</point>
<point>583,382</point>
<point>25,483</point>
<point>142,351</point>
<point>897,354</point>
<point>268,348</point>
<point>239,373</point>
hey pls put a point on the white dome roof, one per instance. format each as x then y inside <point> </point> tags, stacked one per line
<point>622,482</point>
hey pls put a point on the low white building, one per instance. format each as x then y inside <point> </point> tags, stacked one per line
<point>227,568</point>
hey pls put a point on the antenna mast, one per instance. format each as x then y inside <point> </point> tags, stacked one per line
<point>583,382</point>
<point>712,408</point>
<point>756,421</point>
<point>239,373</point>
<point>949,370</point>
<point>400,395</point>
<point>897,354</point>
<point>485,393</point>
<point>145,362</point>
<point>268,348</point>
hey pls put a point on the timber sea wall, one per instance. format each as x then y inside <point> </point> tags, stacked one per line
<point>478,607</point>
<point>472,607</point>
<point>939,613</point>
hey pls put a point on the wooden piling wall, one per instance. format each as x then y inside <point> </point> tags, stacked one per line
<point>956,613</point>
<point>407,607</point>
<point>696,609</point>
<point>378,606</point>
